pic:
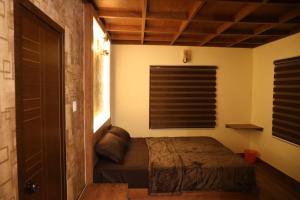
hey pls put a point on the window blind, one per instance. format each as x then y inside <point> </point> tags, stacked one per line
<point>286,99</point>
<point>182,97</point>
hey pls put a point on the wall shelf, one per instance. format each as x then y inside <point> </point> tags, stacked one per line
<point>244,126</point>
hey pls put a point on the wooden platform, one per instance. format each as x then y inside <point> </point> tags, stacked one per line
<point>142,194</point>
<point>106,192</point>
<point>271,185</point>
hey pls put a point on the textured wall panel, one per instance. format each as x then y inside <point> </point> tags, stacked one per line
<point>69,14</point>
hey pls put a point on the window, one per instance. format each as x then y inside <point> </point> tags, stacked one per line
<point>182,97</point>
<point>286,104</point>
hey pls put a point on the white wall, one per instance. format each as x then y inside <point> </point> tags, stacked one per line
<point>278,153</point>
<point>130,89</point>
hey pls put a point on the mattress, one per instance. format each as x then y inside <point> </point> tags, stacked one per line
<point>134,169</point>
<point>209,166</point>
<point>184,164</point>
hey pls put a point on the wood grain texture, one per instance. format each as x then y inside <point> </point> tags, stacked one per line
<point>88,103</point>
<point>244,126</point>
<point>40,119</point>
<point>242,13</point>
<point>293,13</point>
<point>142,194</point>
<point>271,185</point>
<point>105,192</point>
<point>179,17</point>
<point>194,10</point>
<point>144,14</point>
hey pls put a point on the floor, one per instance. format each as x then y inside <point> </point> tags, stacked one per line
<point>275,185</point>
<point>272,185</point>
<point>105,192</point>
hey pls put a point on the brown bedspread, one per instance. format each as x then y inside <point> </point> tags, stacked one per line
<point>196,163</point>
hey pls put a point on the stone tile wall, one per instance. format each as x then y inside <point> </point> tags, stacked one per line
<point>68,14</point>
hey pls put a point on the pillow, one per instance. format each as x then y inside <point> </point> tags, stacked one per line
<point>111,147</point>
<point>120,133</point>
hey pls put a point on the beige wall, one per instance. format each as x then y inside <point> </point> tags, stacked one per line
<point>130,89</point>
<point>276,152</point>
<point>244,94</point>
<point>69,14</point>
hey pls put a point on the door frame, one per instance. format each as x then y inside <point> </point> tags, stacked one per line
<point>26,4</point>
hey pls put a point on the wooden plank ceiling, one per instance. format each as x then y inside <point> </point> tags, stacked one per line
<point>218,23</point>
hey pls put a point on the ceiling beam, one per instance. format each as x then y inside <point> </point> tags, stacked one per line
<point>123,28</point>
<point>174,30</point>
<point>245,11</point>
<point>137,42</point>
<point>137,29</point>
<point>162,30</point>
<point>157,38</point>
<point>176,16</point>
<point>279,2</point>
<point>196,32</point>
<point>263,28</point>
<point>194,10</point>
<point>223,19</point>
<point>130,37</point>
<point>217,42</point>
<point>137,32</point>
<point>224,27</point>
<point>208,38</point>
<point>103,13</point>
<point>282,19</point>
<point>187,43</point>
<point>212,18</point>
<point>181,16</point>
<point>290,15</point>
<point>144,14</point>
<point>126,42</point>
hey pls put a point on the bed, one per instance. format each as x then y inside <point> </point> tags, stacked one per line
<point>133,171</point>
<point>174,165</point>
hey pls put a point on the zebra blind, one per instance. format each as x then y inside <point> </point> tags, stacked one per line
<point>182,97</point>
<point>286,100</point>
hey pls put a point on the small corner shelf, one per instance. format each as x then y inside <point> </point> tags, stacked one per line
<point>244,126</point>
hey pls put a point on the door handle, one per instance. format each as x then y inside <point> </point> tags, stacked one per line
<point>31,187</point>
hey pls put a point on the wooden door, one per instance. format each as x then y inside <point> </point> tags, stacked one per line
<point>39,110</point>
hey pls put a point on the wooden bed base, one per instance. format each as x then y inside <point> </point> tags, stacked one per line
<point>142,194</point>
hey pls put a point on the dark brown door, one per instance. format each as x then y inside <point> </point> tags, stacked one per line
<point>39,96</point>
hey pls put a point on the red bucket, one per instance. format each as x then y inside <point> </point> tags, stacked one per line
<point>250,156</point>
